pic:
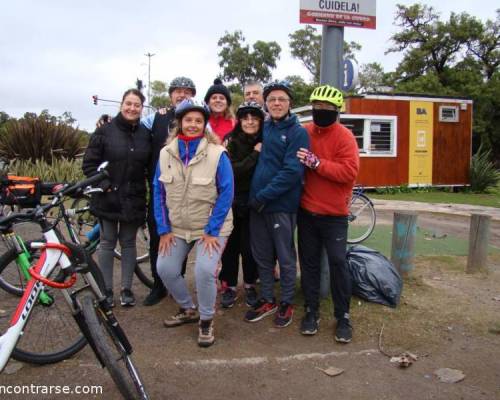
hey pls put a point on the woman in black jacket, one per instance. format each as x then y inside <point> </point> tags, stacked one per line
<point>243,145</point>
<point>121,208</point>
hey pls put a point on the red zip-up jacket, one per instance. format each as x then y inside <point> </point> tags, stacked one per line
<point>221,126</point>
<point>328,189</point>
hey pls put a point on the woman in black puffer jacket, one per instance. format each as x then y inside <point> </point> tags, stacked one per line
<point>121,208</point>
<point>243,145</point>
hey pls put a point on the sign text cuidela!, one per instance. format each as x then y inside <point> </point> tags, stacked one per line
<point>346,6</point>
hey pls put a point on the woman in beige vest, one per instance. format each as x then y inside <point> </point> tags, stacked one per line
<point>193,189</point>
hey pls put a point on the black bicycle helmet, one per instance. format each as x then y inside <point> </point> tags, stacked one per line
<point>278,85</point>
<point>191,104</point>
<point>181,82</point>
<point>250,107</point>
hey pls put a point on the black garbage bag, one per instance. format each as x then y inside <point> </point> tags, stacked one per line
<point>374,278</point>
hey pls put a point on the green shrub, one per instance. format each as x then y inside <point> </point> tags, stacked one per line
<point>61,170</point>
<point>41,137</point>
<point>483,174</point>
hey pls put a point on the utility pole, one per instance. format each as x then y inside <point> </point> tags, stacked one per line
<point>332,56</point>
<point>149,55</point>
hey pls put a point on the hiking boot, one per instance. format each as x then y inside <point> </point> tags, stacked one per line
<point>156,295</point>
<point>284,316</point>
<point>184,316</point>
<point>251,296</point>
<point>343,331</point>
<point>310,323</point>
<point>127,298</point>
<point>228,298</point>
<point>260,310</point>
<point>206,336</point>
<point>109,297</point>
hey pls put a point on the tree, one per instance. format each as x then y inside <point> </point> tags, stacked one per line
<point>159,94</point>
<point>428,43</point>
<point>301,90</point>
<point>240,63</point>
<point>372,77</point>
<point>305,45</point>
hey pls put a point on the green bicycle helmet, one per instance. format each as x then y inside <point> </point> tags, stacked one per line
<point>329,94</point>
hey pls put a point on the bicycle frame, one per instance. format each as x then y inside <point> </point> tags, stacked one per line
<point>49,258</point>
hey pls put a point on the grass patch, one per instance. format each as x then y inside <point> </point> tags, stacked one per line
<point>427,244</point>
<point>490,199</point>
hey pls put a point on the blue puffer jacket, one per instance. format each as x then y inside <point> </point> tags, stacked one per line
<point>278,178</point>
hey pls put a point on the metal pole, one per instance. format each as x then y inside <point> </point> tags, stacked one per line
<point>332,56</point>
<point>149,55</point>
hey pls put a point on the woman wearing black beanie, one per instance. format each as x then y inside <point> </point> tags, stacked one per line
<point>221,120</point>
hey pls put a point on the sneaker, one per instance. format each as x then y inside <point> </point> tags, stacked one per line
<point>206,336</point>
<point>310,323</point>
<point>228,298</point>
<point>261,309</point>
<point>127,298</point>
<point>343,331</point>
<point>156,295</point>
<point>109,297</point>
<point>284,316</point>
<point>251,296</point>
<point>184,316</point>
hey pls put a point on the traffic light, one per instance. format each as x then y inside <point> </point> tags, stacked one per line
<point>95,98</point>
<point>139,84</point>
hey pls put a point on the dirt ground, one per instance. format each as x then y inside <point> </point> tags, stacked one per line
<point>447,318</point>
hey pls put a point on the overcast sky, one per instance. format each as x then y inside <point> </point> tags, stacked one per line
<point>56,54</point>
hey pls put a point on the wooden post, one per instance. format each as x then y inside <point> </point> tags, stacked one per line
<point>479,235</point>
<point>404,233</point>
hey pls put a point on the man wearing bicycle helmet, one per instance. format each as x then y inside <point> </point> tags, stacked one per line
<point>332,166</point>
<point>274,198</point>
<point>160,124</point>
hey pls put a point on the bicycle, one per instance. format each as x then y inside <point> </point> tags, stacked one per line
<point>60,266</point>
<point>361,218</point>
<point>12,281</point>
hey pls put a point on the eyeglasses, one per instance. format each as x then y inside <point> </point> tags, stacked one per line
<point>278,99</point>
<point>250,118</point>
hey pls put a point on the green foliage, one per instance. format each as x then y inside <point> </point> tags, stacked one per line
<point>483,174</point>
<point>372,77</point>
<point>42,137</point>
<point>301,90</point>
<point>159,94</point>
<point>60,170</point>
<point>305,45</point>
<point>240,63</point>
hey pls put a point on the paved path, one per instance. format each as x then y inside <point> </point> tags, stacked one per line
<point>442,208</point>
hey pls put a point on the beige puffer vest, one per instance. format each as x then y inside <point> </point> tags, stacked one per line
<point>192,191</point>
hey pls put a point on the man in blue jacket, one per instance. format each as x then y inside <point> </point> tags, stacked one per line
<point>274,200</point>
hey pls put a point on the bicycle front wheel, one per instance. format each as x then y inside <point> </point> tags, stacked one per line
<point>111,352</point>
<point>361,219</point>
<point>51,333</point>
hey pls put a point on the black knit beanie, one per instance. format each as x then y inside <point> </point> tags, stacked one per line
<point>218,87</point>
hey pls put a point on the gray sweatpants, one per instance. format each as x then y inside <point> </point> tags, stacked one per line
<point>111,232</point>
<point>169,267</point>
<point>271,238</point>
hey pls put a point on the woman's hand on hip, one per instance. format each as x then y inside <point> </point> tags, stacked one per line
<point>210,244</point>
<point>166,242</point>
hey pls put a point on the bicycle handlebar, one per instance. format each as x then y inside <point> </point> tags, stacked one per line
<point>67,190</point>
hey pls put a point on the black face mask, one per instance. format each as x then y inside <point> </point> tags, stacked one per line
<point>324,118</point>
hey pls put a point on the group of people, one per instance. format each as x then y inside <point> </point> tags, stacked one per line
<point>227,187</point>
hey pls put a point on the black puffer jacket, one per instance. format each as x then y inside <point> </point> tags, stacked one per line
<point>240,148</point>
<point>128,149</point>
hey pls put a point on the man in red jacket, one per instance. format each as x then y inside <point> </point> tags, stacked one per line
<point>332,166</point>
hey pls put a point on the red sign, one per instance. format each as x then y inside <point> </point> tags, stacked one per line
<point>354,14</point>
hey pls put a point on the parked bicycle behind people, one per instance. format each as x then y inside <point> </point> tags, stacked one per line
<point>221,120</point>
<point>243,145</point>
<point>332,166</point>
<point>121,208</point>
<point>193,191</point>
<point>274,199</point>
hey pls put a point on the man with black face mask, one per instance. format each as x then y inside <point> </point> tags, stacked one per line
<point>332,166</point>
